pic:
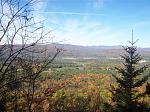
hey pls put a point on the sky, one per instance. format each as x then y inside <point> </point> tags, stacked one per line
<point>96,22</point>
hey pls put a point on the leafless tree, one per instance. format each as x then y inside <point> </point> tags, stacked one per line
<point>19,35</point>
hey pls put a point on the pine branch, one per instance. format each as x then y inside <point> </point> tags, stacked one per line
<point>139,71</point>
<point>123,72</point>
<point>121,82</point>
<point>141,82</point>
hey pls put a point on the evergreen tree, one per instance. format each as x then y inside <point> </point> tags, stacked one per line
<point>130,77</point>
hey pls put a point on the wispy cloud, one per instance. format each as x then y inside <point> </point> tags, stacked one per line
<point>97,3</point>
<point>71,13</point>
<point>142,24</point>
<point>40,5</point>
<point>84,32</point>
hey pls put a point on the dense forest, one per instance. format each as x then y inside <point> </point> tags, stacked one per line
<point>40,76</point>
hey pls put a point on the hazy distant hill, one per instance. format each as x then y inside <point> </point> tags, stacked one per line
<point>96,51</point>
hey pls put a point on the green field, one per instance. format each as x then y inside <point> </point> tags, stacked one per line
<point>66,68</point>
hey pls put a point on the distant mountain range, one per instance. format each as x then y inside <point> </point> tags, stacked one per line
<point>95,51</point>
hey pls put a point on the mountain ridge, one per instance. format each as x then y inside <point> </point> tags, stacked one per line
<point>97,51</point>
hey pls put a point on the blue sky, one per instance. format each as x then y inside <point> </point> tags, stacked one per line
<point>96,22</point>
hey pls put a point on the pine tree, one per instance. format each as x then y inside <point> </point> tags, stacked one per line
<point>130,77</point>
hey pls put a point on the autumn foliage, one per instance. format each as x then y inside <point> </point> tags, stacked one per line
<point>84,92</point>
